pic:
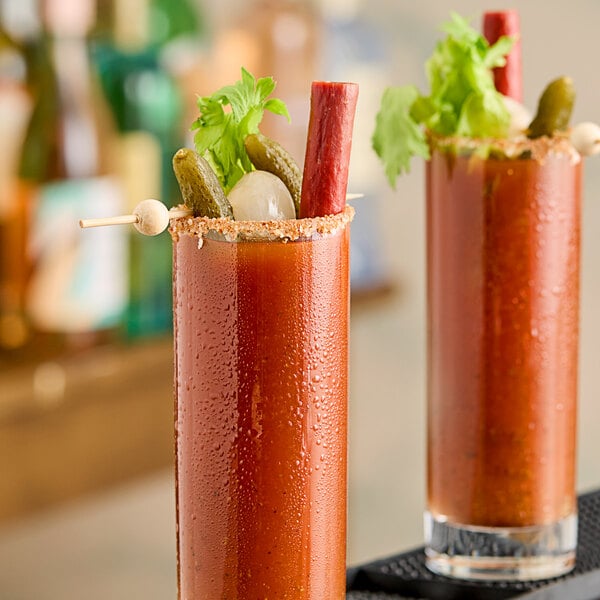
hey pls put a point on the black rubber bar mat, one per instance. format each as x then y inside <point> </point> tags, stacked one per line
<point>405,576</point>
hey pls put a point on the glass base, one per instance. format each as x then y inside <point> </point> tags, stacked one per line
<point>500,553</point>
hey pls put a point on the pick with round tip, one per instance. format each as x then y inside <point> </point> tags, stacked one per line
<point>153,217</point>
<point>586,138</point>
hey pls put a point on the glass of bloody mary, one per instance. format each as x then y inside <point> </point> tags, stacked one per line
<point>503,244</point>
<point>261,337</point>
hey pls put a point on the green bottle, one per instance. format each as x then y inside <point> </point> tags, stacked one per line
<point>74,286</point>
<point>147,107</point>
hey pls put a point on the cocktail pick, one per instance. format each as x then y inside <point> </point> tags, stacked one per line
<point>149,217</point>
<point>152,217</point>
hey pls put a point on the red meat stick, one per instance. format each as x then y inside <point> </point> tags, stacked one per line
<point>508,79</point>
<point>325,178</point>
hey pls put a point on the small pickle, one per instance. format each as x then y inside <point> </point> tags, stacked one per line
<point>267,155</point>
<point>554,108</point>
<point>200,187</point>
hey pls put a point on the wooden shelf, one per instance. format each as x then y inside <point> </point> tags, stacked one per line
<point>82,424</point>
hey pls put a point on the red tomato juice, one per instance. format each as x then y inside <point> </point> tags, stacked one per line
<point>261,339</point>
<point>503,319</point>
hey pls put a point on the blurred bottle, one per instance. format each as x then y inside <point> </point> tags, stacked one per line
<point>181,32</point>
<point>180,22</point>
<point>15,107</point>
<point>76,281</point>
<point>147,106</point>
<point>287,39</point>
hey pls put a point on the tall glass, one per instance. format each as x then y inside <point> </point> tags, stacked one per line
<point>503,231</point>
<point>261,340</point>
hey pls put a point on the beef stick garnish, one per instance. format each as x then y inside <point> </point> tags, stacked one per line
<point>509,78</point>
<point>329,141</point>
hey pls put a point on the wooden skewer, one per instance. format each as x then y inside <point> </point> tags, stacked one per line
<point>122,220</point>
<point>178,213</point>
<point>174,213</point>
<point>151,217</point>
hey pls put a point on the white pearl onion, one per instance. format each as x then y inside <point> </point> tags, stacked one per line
<point>261,196</point>
<point>520,116</point>
<point>586,138</point>
<point>153,217</point>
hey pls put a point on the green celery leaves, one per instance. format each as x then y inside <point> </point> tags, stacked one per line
<point>398,136</point>
<point>220,133</point>
<point>463,100</point>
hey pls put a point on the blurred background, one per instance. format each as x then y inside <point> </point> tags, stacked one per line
<point>95,97</point>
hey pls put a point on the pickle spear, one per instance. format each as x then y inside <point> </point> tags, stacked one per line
<point>267,155</point>
<point>199,185</point>
<point>554,108</point>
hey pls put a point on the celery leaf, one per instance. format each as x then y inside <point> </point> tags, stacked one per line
<point>462,99</point>
<point>398,137</point>
<point>226,118</point>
